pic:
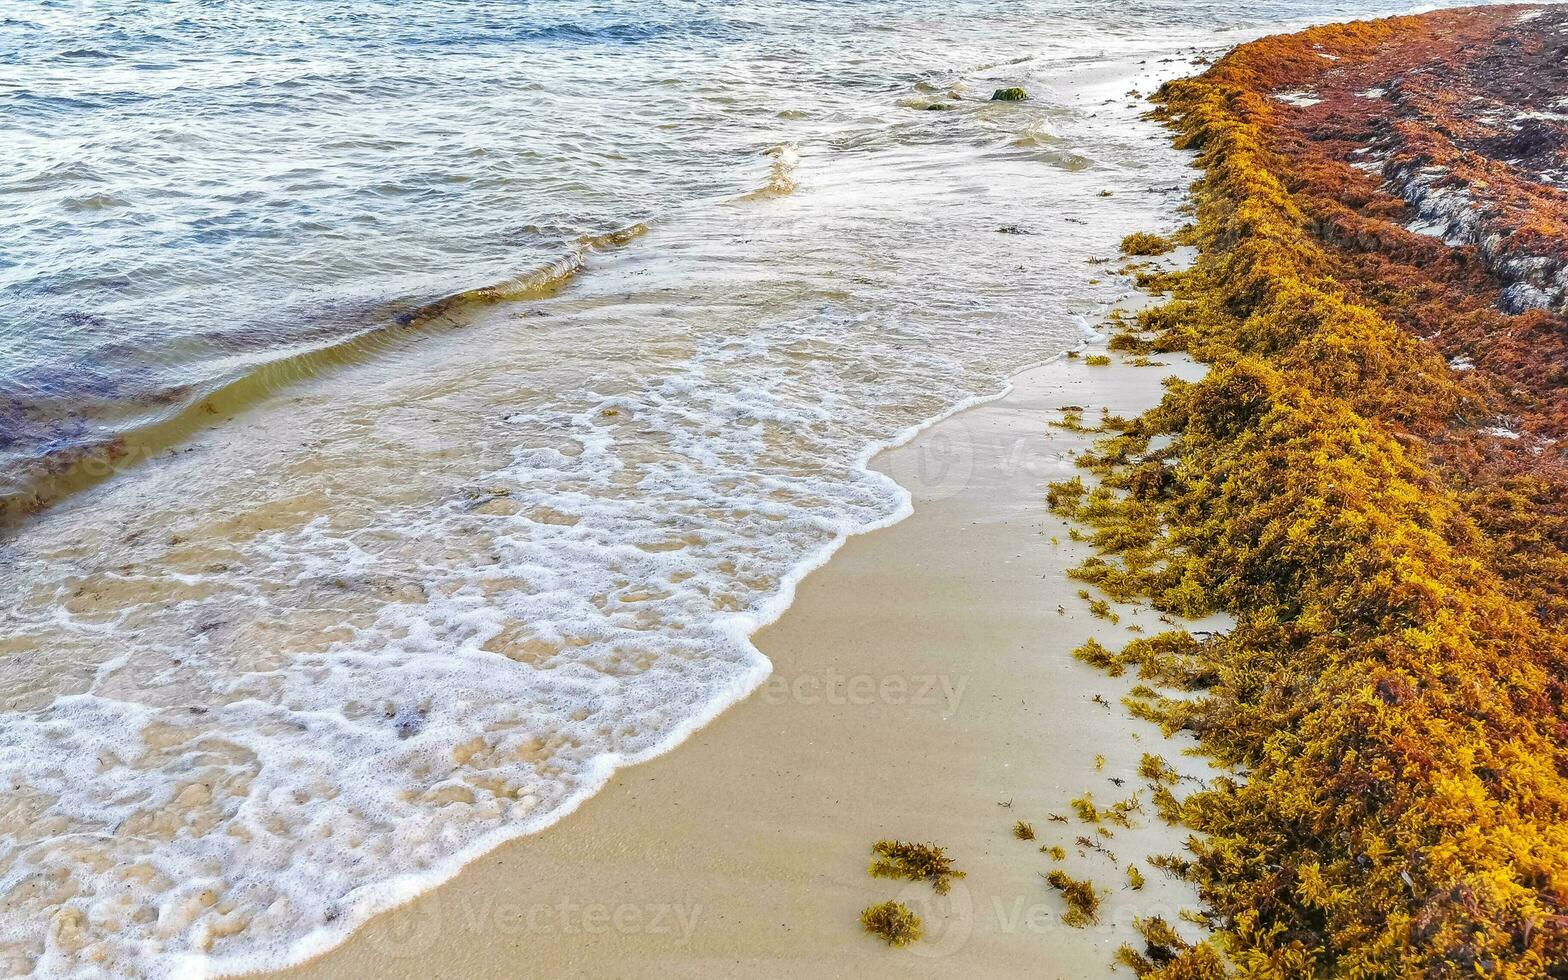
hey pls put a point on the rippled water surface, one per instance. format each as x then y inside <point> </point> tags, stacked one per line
<point>473,379</point>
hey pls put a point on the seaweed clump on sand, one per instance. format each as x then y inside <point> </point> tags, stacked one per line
<point>1390,704</point>
<point>1083,901</point>
<point>1146,243</point>
<point>914,862</point>
<point>1135,878</point>
<point>1164,949</point>
<point>893,922</point>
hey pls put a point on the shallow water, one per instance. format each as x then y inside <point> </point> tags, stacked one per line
<point>417,566</point>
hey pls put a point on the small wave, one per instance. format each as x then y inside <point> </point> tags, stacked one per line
<point>71,455</point>
<point>606,32</point>
<point>1054,156</point>
<point>533,284</point>
<point>781,176</point>
<point>615,239</point>
<point>571,32</point>
<point>1037,135</point>
<point>539,283</point>
<point>92,202</point>
<point>28,104</point>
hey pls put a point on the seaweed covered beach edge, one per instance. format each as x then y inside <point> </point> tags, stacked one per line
<point>1390,706</point>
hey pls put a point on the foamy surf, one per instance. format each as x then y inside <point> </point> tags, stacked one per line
<point>397,637</point>
<point>355,771</point>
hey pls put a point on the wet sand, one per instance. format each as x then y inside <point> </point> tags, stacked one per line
<point>923,689</point>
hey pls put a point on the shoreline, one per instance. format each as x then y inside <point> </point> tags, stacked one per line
<point>891,713</point>
<point>417,414</point>
<point>395,895</point>
<point>1397,641</point>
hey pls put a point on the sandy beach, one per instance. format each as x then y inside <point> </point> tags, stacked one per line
<point>923,689</point>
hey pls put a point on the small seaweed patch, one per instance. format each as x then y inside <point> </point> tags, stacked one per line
<point>1014,94</point>
<point>1135,878</point>
<point>1085,808</point>
<point>1195,916</point>
<point>1163,948</point>
<point>1065,496</point>
<point>1174,658</point>
<point>1023,830</point>
<point>1130,343</point>
<point>1157,770</point>
<point>1168,806</point>
<point>1072,420</point>
<point>1083,901</point>
<point>914,862</point>
<point>1097,360</point>
<point>893,922</point>
<point>1174,865</point>
<point>1121,812</point>
<point>1101,609</point>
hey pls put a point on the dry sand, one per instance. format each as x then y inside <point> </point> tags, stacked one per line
<point>923,689</point>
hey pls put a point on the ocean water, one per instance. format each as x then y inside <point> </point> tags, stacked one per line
<point>432,399</point>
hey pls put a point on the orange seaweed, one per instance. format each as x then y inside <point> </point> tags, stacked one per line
<point>1391,702</point>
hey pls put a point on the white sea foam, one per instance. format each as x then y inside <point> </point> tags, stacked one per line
<point>432,604</point>
<point>346,780</point>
